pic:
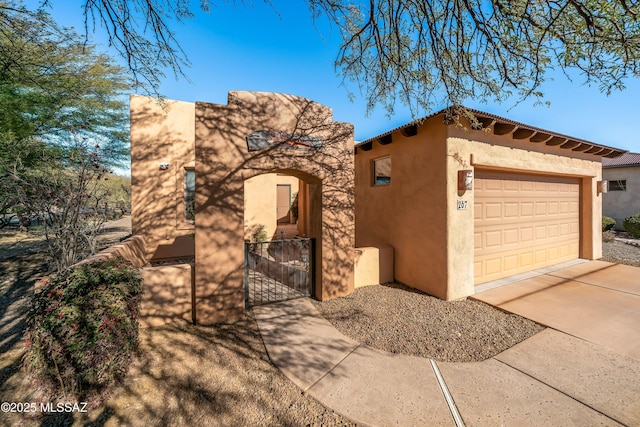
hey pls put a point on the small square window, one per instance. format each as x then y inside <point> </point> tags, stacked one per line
<point>190,195</point>
<point>618,185</point>
<point>382,171</point>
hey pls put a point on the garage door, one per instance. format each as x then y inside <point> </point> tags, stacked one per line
<point>523,222</point>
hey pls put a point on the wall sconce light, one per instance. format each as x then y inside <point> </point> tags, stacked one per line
<point>164,166</point>
<point>603,186</point>
<point>465,180</point>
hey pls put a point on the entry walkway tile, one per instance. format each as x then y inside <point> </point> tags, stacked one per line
<point>374,387</point>
<point>304,345</point>
<point>491,393</point>
<point>599,378</point>
<point>601,315</point>
<point>620,277</point>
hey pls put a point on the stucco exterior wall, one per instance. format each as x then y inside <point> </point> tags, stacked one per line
<point>417,213</point>
<point>167,295</point>
<point>224,163</point>
<point>621,204</point>
<point>294,185</point>
<point>260,204</point>
<point>260,197</point>
<point>161,134</point>
<point>410,213</point>
<point>470,149</point>
<point>373,266</point>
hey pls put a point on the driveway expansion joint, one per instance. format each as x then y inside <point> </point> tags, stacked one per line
<point>556,389</point>
<point>457,418</point>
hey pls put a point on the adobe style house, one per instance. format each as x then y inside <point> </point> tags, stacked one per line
<point>433,204</point>
<point>623,196</point>
<point>200,174</point>
<point>462,207</point>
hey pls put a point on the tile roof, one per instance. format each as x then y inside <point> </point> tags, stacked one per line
<point>627,159</point>
<point>516,129</point>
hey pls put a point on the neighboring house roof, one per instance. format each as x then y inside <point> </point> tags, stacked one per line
<point>504,126</point>
<point>627,159</point>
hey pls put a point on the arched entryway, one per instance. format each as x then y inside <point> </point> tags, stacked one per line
<point>263,133</point>
<point>280,256</point>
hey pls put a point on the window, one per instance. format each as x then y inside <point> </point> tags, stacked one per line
<point>618,185</point>
<point>190,195</point>
<point>382,171</point>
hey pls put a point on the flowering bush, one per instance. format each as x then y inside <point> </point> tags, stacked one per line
<point>82,328</point>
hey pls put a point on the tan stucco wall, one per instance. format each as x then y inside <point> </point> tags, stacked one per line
<point>621,204</point>
<point>410,213</point>
<point>131,249</point>
<point>167,295</point>
<point>161,133</point>
<point>417,213</point>
<point>294,184</point>
<point>224,163</point>
<point>260,198</point>
<point>468,149</point>
<point>260,204</point>
<point>373,266</point>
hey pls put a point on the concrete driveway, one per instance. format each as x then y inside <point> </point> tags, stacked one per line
<point>594,300</point>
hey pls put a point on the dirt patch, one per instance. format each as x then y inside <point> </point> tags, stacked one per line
<point>191,376</point>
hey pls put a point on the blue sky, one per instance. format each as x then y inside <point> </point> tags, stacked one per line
<point>253,47</point>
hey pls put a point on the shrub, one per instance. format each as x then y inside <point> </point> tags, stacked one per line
<point>260,233</point>
<point>608,236</point>
<point>82,327</point>
<point>632,225</point>
<point>608,223</point>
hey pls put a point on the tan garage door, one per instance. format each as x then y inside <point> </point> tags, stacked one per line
<point>523,222</point>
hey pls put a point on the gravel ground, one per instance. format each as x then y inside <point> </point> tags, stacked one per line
<point>620,252</point>
<point>398,319</point>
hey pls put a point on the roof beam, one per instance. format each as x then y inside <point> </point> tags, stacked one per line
<point>539,137</point>
<point>570,144</point>
<point>503,128</point>
<point>486,121</point>
<point>411,130</point>
<point>595,150</point>
<point>366,146</point>
<point>522,133</point>
<point>583,147</point>
<point>615,153</point>
<point>386,139</point>
<point>556,140</point>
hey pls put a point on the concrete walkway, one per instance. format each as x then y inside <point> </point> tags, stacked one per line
<point>553,378</point>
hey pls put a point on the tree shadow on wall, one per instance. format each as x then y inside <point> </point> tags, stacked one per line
<point>224,163</point>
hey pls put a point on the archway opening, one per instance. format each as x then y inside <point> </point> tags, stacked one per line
<point>282,223</point>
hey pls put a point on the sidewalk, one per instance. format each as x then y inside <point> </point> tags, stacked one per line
<point>549,379</point>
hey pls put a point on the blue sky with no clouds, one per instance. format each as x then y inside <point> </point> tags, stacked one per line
<point>254,47</point>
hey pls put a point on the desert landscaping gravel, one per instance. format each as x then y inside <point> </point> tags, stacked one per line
<point>398,319</point>
<point>623,253</point>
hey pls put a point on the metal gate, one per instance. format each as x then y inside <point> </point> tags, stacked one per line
<point>278,270</point>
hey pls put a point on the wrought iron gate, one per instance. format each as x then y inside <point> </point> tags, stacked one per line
<point>278,270</point>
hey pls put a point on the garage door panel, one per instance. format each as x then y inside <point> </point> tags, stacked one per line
<point>523,222</point>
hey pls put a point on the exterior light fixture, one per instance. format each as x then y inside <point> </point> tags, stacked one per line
<point>465,180</point>
<point>164,166</point>
<point>603,186</point>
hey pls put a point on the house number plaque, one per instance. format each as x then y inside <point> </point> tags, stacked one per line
<point>462,205</point>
